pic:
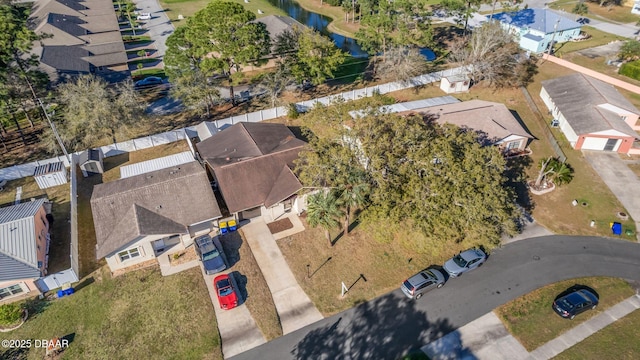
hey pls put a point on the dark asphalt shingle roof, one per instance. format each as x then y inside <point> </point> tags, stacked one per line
<point>577,97</point>
<point>65,58</point>
<point>252,164</point>
<point>159,202</point>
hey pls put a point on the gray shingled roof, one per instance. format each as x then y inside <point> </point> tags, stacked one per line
<point>160,202</point>
<point>65,58</point>
<point>18,247</point>
<point>491,118</point>
<point>577,97</point>
<point>277,24</point>
<point>252,163</point>
<point>245,141</point>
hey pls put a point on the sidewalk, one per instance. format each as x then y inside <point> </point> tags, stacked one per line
<point>487,338</point>
<point>294,307</point>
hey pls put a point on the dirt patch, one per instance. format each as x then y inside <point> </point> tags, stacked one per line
<point>280,225</point>
<point>183,256</point>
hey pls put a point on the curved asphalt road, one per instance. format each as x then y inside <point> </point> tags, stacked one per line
<point>391,325</point>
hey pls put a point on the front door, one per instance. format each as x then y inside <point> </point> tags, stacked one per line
<point>611,144</point>
<point>158,245</point>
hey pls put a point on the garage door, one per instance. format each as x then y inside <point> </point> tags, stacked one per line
<point>591,143</point>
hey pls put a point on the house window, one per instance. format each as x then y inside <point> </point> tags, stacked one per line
<point>10,291</point>
<point>128,254</point>
<point>39,264</point>
<point>513,145</point>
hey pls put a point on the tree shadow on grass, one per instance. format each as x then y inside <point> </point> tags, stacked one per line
<point>385,328</point>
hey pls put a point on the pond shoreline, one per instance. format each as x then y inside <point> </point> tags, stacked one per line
<point>330,12</point>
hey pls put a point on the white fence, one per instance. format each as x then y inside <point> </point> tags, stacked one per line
<point>24,170</point>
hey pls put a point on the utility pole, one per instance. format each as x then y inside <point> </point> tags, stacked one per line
<point>555,29</point>
<point>55,132</point>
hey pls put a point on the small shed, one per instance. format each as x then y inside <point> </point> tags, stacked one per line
<point>49,175</point>
<point>455,83</point>
<point>91,162</point>
<point>206,129</point>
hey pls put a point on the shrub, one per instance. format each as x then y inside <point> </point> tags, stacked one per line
<point>631,69</point>
<point>10,313</point>
<point>293,112</point>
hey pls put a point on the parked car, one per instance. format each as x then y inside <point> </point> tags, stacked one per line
<point>148,81</point>
<point>144,16</point>
<point>575,303</point>
<point>227,296</point>
<point>422,282</point>
<point>209,254</point>
<point>465,261</point>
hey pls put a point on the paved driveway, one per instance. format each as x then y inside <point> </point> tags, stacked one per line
<point>622,181</point>
<point>388,326</point>
<point>159,27</point>
<point>294,307</point>
<point>238,330</point>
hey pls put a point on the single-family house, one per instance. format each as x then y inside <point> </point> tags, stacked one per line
<point>141,217</point>
<point>80,37</point>
<point>24,240</point>
<point>535,29</point>
<point>494,121</point>
<point>592,114</point>
<point>252,164</point>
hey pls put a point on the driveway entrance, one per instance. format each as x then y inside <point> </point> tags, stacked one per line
<point>624,184</point>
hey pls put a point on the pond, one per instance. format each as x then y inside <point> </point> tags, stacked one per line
<point>320,23</point>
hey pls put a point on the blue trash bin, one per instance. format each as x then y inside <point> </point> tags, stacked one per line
<point>69,291</point>
<point>61,293</point>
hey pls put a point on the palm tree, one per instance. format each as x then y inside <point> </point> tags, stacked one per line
<point>323,211</point>
<point>352,195</point>
<point>554,170</point>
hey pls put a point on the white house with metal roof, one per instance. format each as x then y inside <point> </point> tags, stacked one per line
<point>536,28</point>
<point>24,240</point>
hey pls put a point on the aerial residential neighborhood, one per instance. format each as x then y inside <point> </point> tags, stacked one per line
<point>319,179</point>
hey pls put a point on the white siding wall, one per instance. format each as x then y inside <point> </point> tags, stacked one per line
<point>144,243</point>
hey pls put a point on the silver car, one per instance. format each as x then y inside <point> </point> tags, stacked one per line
<point>422,282</point>
<point>465,261</point>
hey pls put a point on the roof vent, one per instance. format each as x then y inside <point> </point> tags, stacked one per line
<point>149,176</point>
<point>158,207</point>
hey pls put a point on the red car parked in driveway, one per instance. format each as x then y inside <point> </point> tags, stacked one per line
<point>227,296</point>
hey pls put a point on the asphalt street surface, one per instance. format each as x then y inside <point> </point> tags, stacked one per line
<point>391,325</point>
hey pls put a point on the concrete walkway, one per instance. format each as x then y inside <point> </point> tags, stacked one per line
<point>586,329</point>
<point>487,338</point>
<point>294,307</point>
<point>165,265</point>
<point>621,180</point>
<point>484,338</point>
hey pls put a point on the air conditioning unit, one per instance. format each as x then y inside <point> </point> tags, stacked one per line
<point>555,123</point>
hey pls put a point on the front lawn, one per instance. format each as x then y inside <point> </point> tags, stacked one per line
<point>597,38</point>
<point>531,320</point>
<point>616,13</point>
<point>137,315</point>
<point>372,260</point>
<point>619,338</point>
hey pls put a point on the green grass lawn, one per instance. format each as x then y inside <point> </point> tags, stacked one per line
<point>619,338</point>
<point>597,38</point>
<point>620,14</point>
<point>531,320</point>
<point>187,8</point>
<point>137,315</point>
<point>554,210</point>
